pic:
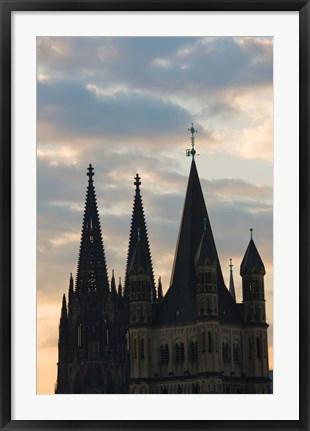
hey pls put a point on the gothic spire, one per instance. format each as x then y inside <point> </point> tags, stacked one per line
<point>138,222</point>
<point>160,290</point>
<point>63,315</point>
<point>119,289</point>
<point>231,281</point>
<point>91,271</point>
<point>113,285</point>
<point>71,291</point>
<point>63,323</point>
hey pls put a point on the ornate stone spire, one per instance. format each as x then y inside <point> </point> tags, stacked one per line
<point>138,222</point>
<point>119,289</point>
<point>231,281</point>
<point>91,271</point>
<point>113,285</point>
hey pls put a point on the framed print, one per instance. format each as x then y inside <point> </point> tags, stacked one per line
<point>154,215</point>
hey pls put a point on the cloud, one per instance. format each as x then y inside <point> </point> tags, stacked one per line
<point>124,105</point>
<point>146,91</point>
<point>72,109</point>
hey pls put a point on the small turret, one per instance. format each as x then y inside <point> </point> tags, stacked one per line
<point>71,289</point>
<point>119,289</point>
<point>252,271</point>
<point>231,282</point>
<point>160,291</point>
<point>113,285</point>
<point>63,329</point>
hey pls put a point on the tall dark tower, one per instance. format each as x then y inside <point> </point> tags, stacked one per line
<point>91,332</point>
<point>252,271</point>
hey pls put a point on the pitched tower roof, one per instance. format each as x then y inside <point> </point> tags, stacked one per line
<point>179,303</point>
<point>252,262</point>
<point>138,222</point>
<point>91,271</point>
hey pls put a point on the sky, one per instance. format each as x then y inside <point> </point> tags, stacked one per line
<point>125,104</point>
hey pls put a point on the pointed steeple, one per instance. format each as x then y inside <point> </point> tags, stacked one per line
<point>160,290</point>
<point>119,289</point>
<point>63,315</point>
<point>138,221</point>
<point>71,291</point>
<point>179,303</point>
<point>63,324</point>
<point>92,271</point>
<point>252,262</point>
<point>113,285</point>
<point>231,281</point>
<point>189,238</point>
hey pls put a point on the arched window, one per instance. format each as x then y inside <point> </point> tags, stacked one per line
<point>203,341</point>
<point>210,341</point>
<point>179,354</point>
<point>164,354</point>
<point>193,351</point>
<point>258,348</point>
<point>225,352</point>
<point>142,348</point>
<point>135,349</point>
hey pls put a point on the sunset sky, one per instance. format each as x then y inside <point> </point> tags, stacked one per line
<point>124,104</point>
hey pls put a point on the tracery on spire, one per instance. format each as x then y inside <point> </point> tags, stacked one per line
<point>138,222</point>
<point>91,271</point>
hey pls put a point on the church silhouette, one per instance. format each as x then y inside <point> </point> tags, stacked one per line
<point>134,339</point>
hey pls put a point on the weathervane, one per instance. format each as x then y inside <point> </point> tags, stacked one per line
<point>192,152</point>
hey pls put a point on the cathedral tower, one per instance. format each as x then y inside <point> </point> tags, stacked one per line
<point>90,344</point>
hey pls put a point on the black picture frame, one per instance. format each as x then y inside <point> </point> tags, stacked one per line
<point>6,8</point>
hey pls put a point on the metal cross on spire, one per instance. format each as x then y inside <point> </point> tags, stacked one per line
<point>192,152</point>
